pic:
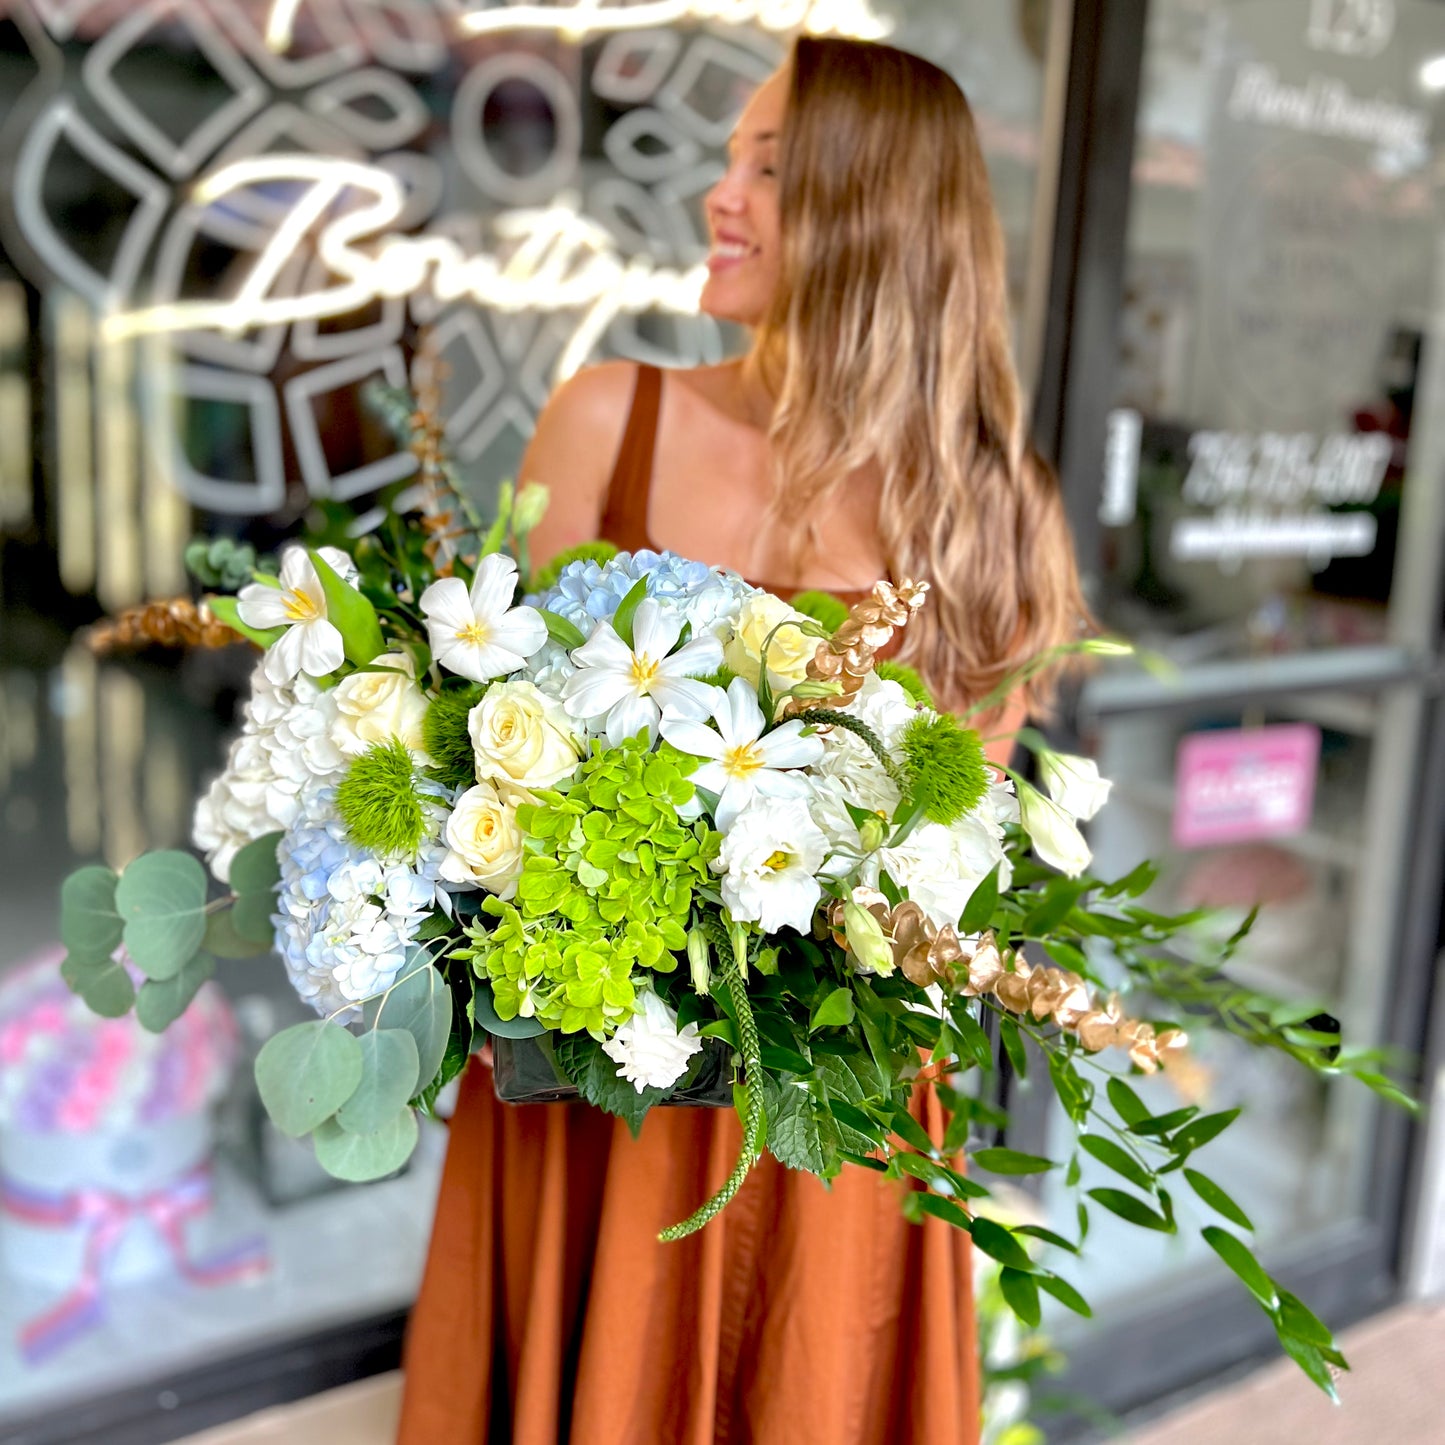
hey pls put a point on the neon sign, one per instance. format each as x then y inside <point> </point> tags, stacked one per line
<point>555,259</point>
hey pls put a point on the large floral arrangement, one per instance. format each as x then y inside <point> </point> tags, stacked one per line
<point>659,827</point>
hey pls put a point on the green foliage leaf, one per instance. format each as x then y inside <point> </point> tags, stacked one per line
<point>1198,1133</point>
<point>1216,1198</point>
<point>484,1011</point>
<point>421,1003</point>
<point>1127,1206</point>
<point>162,899</point>
<point>251,918</point>
<point>1059,898</point>
<point>358,1158</point>
<point>350,613</point>
<point>595,1075</point>
<point>1236,1254</point>
<point>627,610</point>
<point>306,1073</point>
<point>797,1136</point>
<point>90,925</point>
<point>1127,1104</point>
<point>564,633</point>
<point>834,1011</point>
<point>1021,1293</point>
<point>227,610</point>
<point>1075,1093</point>
<point>979,910</point>
<point>918,1202</point>
<point>1116,1157</point>
<point>1037,1231</point>
<point>101,983</point>
<point>1156,1124</point>
<point>256,868</point>
<point>998,1242</point>
<point>1312,1361</point>
<point>389,1068</point>
<point>223,940</point>
<point>162,1001</point>
<point>1065,1293</point>
<point>1296,1318</point>
<point>1014,1046</point>
<point>1011,1161</point>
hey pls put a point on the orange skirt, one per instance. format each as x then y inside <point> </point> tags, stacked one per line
<point>549,1314</point>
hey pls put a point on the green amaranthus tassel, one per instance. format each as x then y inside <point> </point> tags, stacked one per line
<point>753,1113</point>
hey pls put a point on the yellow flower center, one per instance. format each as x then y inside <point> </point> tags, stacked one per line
<point>778,861</point>
<point>475,632</point>
<point>301,607</point>
<point>644,671</point>
<point>740,761</point>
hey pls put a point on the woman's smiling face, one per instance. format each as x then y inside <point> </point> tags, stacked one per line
<point>743,213</point>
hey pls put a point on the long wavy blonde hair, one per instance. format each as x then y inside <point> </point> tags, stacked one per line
<point>887,345</point>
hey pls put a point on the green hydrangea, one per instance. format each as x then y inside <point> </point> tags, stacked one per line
<point>606,889</point>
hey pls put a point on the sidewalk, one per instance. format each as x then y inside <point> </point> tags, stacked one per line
<point>1395,1396</point>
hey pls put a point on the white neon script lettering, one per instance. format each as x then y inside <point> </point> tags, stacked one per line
<point>555,260</point>
<point>576,18</point>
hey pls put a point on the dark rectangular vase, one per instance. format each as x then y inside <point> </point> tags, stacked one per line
<point>526,1071</point>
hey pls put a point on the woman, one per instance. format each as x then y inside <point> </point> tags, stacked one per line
<point>874,429</point>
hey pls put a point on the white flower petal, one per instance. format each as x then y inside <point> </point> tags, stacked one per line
<point>690,736</point>
<point>322,650</point>
<point>521,630</point>
<point>740,719</point>
<point>297,573</point>
<point>698,658</point>
<point>494,586</point>
<point>786,747</point>
<point>655,630</point>
<point>262,606</point>
<point>629,717</point>
<point>283,657</point>
<point>446,606</point>
<point>604,649</point>
<point>686,698</point>
<point>594,691</point>
<point>711,777</point>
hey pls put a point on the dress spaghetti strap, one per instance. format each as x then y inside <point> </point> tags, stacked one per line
<point>624,514</point>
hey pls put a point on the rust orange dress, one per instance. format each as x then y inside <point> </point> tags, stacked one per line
<point>549,1313</point>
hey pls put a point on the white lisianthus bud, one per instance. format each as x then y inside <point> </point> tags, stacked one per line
<point>1074,783</point>
<point>699,958</point>
<point>1107,647</point>
<point>866,939</point>
<point>872,833</point>
<point>529,508</point>
<point>1056,837</point>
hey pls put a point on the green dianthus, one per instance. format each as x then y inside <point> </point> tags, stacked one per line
<point>378,802</point>
<point>445,736</point>
<point>907,679</point>
<point>822,607</point>
<point>947,772</point>
<point>598,552</point>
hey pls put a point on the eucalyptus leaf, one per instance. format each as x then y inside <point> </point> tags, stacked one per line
<point>389,1068</point>
<point>162,899</point>
<point>484,1011</point>
<point>251,915</point>
<point>101,983</point>
<point>89,922</point>
<point>161,1002</point>
<point>224,941</point>
<point>359,1158</point>
<point>255,868</point>
<point>421,1003</point>
<point>306,1073</point>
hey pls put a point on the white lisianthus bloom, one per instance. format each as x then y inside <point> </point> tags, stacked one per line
<point>649,1049</point>
<point>621,691</point>
<point>1074,783</point>
<point>523,737</point>
<point>790,651</point>
<point>1055,835</point>
<point>477,633</point>
<point>769,860</point>
<point>484,843</point>
<point>372,707</point>
<point>941,866</point>
<point>743,763</point>
<point>311,644</point>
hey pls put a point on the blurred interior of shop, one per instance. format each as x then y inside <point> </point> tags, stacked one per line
<point>1225,239</point>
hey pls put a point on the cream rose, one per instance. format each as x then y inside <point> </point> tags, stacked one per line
<point>484,843</point>
<point>789,652</point>
<point>372,707</point>
<point>523,737</point>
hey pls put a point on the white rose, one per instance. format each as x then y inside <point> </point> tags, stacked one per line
<point>372,707</point>
<point>523,737</point>
<point>941,866</point>
<point>1074,783</point>
<point>649,1050</point>
<point>484,843</point>
<point>1055,835</point>
<point>789,652</point>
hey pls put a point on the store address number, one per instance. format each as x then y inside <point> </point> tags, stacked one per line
<point>1286,469</point>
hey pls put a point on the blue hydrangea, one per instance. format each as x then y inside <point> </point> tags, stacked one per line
<point>586,593</point>
<point>347,917</point>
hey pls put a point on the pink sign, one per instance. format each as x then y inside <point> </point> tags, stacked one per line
<point>1250,783</point>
